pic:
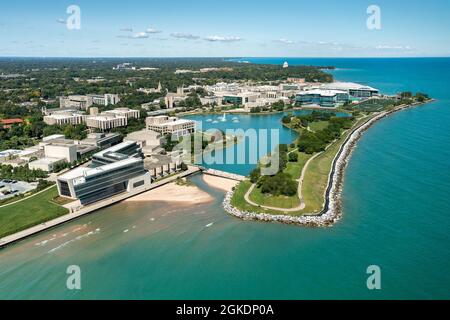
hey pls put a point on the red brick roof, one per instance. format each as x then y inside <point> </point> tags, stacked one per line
<point>11,121</point>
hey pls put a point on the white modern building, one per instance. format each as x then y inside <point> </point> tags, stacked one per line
<point>123,112</point>
<point>45,164</point>
<point>145,138</point>
<point>323,98</point>
<point>67,152</point>
<point>106,99</point>
<point>64,118</point>
<point>75,102</point>
<point>114,171</point>
<point>355,90</point>
<point>171,125</point>
<point>83,102</point>
<point>106,122</point>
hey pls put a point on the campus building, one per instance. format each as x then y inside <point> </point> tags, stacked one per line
<point>355,90</point>
<point>106,99</point>
<point>114,171</point>
<point>239,99</point>
<point>64,118</point>
<point>75,102</point>
<point>106,122</point>
<point>83,102</point>
<point>323,98</point>
<point>170,125</point>
<point>124,112</point>
<point>102,140</point>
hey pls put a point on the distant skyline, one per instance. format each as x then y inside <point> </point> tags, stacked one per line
<point>174,28</point>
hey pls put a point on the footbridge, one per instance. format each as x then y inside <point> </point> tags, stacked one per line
<point>222,174</point>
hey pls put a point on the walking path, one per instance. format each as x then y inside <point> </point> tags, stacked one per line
<point>33,195</point>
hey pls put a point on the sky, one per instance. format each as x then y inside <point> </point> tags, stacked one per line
<point>231,28</point>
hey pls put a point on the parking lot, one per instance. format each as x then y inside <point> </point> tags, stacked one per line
<point>10,188</point>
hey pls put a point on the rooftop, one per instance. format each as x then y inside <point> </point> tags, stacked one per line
<point>323,92</point>
<point>88,172</point>
<point>47,160</point>
<point>11,121</point>
<point>347,86</point>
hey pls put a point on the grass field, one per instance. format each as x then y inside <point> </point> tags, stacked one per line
<point>318,125</point>
<point>373,105</point>
<point>30,212</point>
<point>316,176</point>
<point>274,201</point>
<point>295,168</point>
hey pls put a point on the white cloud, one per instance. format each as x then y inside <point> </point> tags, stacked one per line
<point>222,39</point>
<point>152,31</point>
<point>140,35</point>
<point>127,29</point>
<point>390,47</point>
<point>188,36</point>
<point>60,20</point>
<point>285,41</point>
<point>137,35</point>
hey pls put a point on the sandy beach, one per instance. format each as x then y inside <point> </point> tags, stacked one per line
<point>174,193</point>
<point>219,183</point>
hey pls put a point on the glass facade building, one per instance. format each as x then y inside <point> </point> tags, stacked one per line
<point>113,171</point>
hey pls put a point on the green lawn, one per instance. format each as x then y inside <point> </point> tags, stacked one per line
<point>239,202</point>
<point>318,125</point>
<point>316,177</point>
<point>373,105</point>
<point>30,212</point>
<point>274,201</point>
<point>295,168</point>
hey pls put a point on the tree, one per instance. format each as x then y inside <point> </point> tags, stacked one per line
<point>293,157</point>
<point>255,175</point>
<point>286,119</point>
<point>280,184</point>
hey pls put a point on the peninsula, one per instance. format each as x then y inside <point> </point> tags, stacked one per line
<point>316,162</point>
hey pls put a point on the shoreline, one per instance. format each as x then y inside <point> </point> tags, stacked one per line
<point>332,207</point>
<point>219,183</point>
<point>173,193</point>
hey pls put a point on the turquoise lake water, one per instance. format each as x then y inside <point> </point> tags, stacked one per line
<point>396,216</point>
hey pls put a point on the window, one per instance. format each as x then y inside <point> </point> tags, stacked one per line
<point>138,184</point>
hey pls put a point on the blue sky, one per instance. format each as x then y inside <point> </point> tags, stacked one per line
<point>293,28</point>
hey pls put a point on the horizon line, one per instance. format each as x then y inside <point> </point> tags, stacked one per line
<point>219,57</point>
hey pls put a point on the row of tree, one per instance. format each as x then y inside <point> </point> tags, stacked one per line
<point>22,173</point>
<point>311,142</point>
